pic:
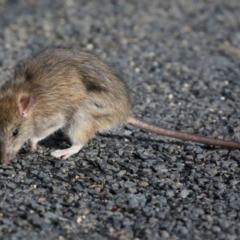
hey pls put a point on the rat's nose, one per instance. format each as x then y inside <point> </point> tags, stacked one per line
<point>5,158</point>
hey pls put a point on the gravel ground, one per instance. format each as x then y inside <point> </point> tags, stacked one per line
<point>181,59</point>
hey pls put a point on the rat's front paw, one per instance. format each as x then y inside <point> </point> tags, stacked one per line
<point>32,145</point>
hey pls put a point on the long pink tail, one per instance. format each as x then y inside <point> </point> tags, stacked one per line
<point>180,135</point>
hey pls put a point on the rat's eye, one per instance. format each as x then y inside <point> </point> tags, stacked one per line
<point>15,133</point>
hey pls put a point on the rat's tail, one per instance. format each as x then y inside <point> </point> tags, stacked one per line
<point>180,135</point>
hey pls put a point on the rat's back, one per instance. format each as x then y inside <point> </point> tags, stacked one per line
<point>59,67</point>
<point>64,80</point>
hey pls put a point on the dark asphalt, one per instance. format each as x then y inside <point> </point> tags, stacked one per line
<point>181,60</point>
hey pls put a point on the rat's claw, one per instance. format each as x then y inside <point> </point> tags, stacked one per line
<point>63,154</point>
<point>66,153</point>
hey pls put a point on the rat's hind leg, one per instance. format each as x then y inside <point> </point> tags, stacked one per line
<point>67,152</point>
<point>83,126</point>
<point>79,133</point>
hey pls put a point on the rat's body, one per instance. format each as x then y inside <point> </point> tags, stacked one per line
<point>68,89</point>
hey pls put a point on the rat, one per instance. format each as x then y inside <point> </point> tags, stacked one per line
<point>73,90</point>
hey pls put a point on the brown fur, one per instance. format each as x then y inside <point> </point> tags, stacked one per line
<point>74,90</point>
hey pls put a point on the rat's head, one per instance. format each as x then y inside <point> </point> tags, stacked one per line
<point>15,123</point>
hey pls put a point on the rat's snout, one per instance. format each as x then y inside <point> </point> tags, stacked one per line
<point>5,158</point>
<point>8,150</point>
<point>5,155</point>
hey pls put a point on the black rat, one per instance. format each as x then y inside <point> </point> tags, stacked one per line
<point>71,90</point>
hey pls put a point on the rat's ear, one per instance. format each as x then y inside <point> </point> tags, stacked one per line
<point>26,103</point>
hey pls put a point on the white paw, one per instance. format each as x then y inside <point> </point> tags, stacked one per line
<point>32,145</point>
<point>66,153</point>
